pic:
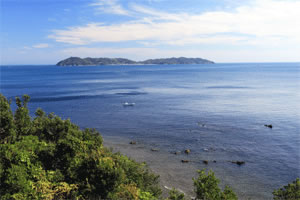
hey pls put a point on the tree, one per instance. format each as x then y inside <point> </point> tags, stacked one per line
<point>21,117</point>
<point>7,126</point>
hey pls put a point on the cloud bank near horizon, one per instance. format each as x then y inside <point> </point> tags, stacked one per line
<point>262,22</point>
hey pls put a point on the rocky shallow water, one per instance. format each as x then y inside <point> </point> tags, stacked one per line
<point>175,173</point>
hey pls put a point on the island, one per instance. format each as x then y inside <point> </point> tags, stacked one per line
<point>76,61</point>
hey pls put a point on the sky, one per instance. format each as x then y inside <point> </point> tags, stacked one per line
<point>47,31</point>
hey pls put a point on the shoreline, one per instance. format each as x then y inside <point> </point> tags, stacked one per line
<point>174,173</point>
<point>136,64</point>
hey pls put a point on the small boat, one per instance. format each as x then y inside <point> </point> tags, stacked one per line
<point>128,104</point>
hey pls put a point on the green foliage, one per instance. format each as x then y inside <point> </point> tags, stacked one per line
<point>7,126</point>
<point>146,196</point>
<point>228,193</point>
<point>175,195</point>
<point>288,192</point>
<point>50,158</point>
<point>207,187</point>
<point>21,118</point>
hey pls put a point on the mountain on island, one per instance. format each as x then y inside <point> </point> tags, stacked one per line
<point>76,61</point>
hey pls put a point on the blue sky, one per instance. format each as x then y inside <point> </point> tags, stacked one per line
<point>46,31</point>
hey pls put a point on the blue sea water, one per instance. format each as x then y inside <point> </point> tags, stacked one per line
<point>218,111</point>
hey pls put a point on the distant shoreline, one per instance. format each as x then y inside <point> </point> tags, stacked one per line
<point>231,63</point>
<point>76,61</point>
<point>119,65</point>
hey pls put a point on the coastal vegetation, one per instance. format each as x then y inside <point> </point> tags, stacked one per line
<point>50,158</point>
<point>290,191</point>
<point>76,61</point>
<point>207,187</point>
<point>46,157</point>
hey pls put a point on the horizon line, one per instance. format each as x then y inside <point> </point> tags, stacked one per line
<point>152,64</point>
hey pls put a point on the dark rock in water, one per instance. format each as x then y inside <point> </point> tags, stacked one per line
<point>177,152</point>
<point>187,151</point>
<point>185,161</point>
<point>238,162</point>
<point>269,125</point>
<point>132,142</point>
<point>214,161</point>
<point>205,162</point>
<point>153,149</point>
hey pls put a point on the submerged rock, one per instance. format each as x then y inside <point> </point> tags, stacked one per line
<point>205,162</point>
<point>132,142</point>
<point>177,152</point>
<point>185,161</point>
<point>269,125</point>
<point>238,162</point>
<point>154,149</point>
<point>187,151</point>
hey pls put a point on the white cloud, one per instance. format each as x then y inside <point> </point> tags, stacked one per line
<point>158,15</point>
<point>41,45</point>
<point>110,6</point>
<point>133,53</point>
<point>263,22</point>
<point>27,48</point>
<point>219,55</point>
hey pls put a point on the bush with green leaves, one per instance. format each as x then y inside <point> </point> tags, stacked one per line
<point>288,192</point>
<point>50,158</point>
<point>175,195</point>
<point>207,187</point>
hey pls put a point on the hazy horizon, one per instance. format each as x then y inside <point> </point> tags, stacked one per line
<point>49,64</point>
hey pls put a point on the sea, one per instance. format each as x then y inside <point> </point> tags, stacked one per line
<point>218,111</point>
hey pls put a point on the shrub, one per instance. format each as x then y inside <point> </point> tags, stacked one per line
<point>288,192</point>
<point>175,195</point>
<point>207,187</point>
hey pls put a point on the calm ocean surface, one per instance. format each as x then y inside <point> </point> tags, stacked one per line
<point>218,111</point>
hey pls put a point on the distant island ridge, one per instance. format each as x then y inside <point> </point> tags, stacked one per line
<point>76,61</point>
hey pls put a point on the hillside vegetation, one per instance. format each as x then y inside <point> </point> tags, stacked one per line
<point>50,158</point>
